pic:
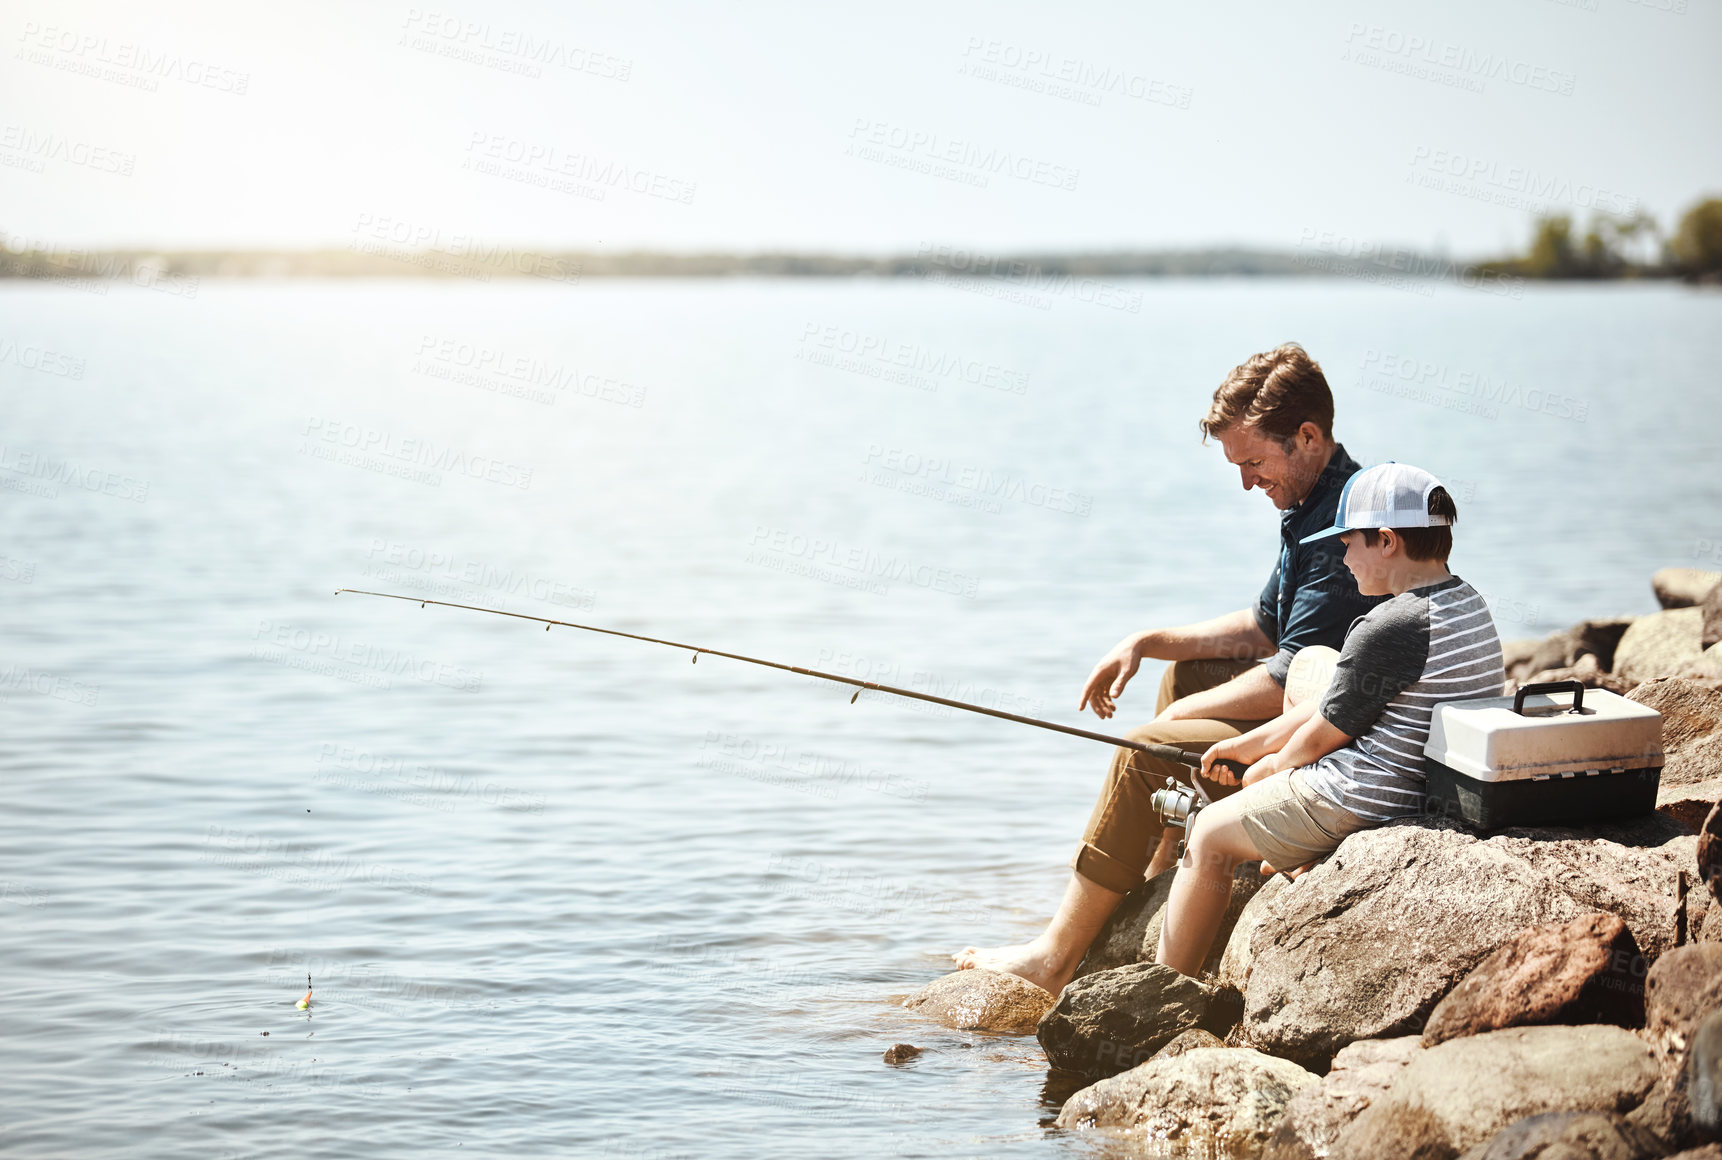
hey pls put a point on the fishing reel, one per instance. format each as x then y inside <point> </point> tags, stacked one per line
<point>1178,803</point>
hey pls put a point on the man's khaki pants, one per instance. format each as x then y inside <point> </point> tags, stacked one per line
<point>1124,831</point>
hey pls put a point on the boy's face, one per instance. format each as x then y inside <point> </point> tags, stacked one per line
<point>1369,565</point>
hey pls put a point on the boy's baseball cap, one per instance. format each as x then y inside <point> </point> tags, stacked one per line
<point>1388,495</point>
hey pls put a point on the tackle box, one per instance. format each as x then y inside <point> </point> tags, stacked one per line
<point>1543,758</point>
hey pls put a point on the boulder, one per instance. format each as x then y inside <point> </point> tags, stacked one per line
<point>1223,1100</point>
<point>1691,728</point>
<point>899,1053</point>
<point>1665,1115</point>
<point>1707,669</point>
<point>1631,868</point>
<point>1113,1020</point>
<point>1569,1136</point>
<point>1132,934</point>
<point>1364,945</point>
<point>1683,587</point>
<point>1600,638</point>
<point>1587,670</point>
<point>1663,644</point>
<point>1688,806</point>
<point>1517,655</point>
<point>1588,970</point>
<point>1709,852</point>
<point>1460,1093</point>
<point>1596,638</point>
<point>1682,987</point>
<point>981,1000</point>
<point>1234,968</point>
<point>1710,628</point>
<point>1188,1041</point>
<point>1361,1074</point>
<point>1704,1075</point>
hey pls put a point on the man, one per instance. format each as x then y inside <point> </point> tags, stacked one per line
<point>1273,417</point>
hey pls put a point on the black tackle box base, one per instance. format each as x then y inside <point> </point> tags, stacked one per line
<point>1553,801</point>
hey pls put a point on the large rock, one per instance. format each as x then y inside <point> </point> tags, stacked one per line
<point>1663,644</point>
<point>982,1000</point>
<point>1217,1099</point>
<point>1707,669</point>
<point>1569,1136</point>
<point>1234,971</point>
<point>1588,970</point>
<point>1665,1114</point>
<point>1517,655</point>
<point>1190,1040</point>
<point>1682,987</point>
<point>1691,728</point>
<point>1597,638</point>
<point>1704,1075</point>
<point>1683,587</point>
<point>1132,934</point>
<point>1587,670</point>
<point>1113,1020</point>
<point>1361,1074</point>
<point>1458,1094</point>
<point>1364,945</point>
<point>1709,853</point>
<point>1710,628</point>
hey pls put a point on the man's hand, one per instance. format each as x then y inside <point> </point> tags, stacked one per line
<point>1106,683</point>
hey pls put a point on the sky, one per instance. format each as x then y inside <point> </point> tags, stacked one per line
<point>851,128</point>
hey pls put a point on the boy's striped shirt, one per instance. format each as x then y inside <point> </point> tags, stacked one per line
<point>1425,646</point>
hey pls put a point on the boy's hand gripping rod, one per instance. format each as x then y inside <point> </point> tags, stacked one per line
<point>1171,753</point>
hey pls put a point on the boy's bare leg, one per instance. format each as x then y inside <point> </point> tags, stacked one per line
<point>1203,886</point>
<point>1050,960</point>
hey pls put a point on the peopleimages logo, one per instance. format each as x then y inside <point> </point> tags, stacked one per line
<point>853,565</point>
<point>368,447</point>
<point>1517,186</point>
<point>873,140</point>
<point>136,65</point>
<point>1443,62</point>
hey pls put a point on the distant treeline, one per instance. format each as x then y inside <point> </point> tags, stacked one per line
<point>465,257</point>
<point>1616,246</point>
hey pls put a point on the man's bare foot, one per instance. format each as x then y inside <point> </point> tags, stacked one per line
<point>1032,961</point>
<point>1294,875</point>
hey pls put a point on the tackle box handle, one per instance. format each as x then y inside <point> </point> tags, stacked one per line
<point>1576,687</point>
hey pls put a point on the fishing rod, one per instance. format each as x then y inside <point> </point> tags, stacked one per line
<point>1164,752</point>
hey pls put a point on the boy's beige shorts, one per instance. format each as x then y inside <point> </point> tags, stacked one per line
<point>1290,823</point>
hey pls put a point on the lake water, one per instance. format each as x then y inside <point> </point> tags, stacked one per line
<point>564,894</point>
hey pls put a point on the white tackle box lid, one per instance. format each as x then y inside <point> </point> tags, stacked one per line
<point>1489,740</point>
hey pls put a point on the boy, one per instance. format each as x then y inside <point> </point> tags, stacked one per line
<point>1353,757</point>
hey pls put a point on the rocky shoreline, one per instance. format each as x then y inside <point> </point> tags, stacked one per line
<point>1424,991</point>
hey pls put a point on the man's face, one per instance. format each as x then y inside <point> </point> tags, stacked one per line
<point>1263,461</point>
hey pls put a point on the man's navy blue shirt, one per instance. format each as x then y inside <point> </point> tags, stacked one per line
<point>1311,598</point>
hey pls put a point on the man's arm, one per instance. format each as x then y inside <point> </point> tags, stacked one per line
<point>1234,636</point>
<point>1250,696</point>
